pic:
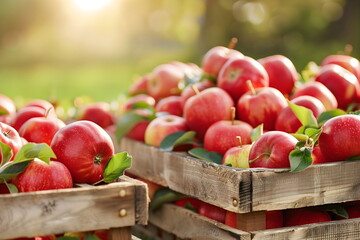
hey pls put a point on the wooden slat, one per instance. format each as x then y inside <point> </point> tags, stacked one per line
<point>339,230</point>
<point>316,185</point>
<point>186,224</point>
<point>123,233</point>
<point>68,210</point>
<point>210,182</point>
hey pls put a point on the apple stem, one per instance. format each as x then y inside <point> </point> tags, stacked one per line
<point>348,49</point>
<point>233,111</point>
<point>239,139</point>
<point>251,87</point>
<point>232,43</point>
<point>7,133</point>
<point>47,112</point>
<point>196,90</point>
<point>259,156</point>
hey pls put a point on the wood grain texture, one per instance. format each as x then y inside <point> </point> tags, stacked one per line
<point>248,190</point>
<point>339,230</point>
<point>68,210</point>
<point>123,233</point>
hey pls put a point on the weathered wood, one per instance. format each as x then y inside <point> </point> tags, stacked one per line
<point>70,210</point>
<point>186,224</point>
<point>210,182</point>
<point>246,190</point>
<point>339,230</point>
<point>123,233</point>
<point>252,221</point>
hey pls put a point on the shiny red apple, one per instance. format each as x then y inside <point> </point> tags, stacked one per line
<point>7,109</point>
<point>98,112</point>
<point>10,137</point>
<point>301,216</point>
<point>189,90</point>
<point>348,62</point>
<point>172,105</point>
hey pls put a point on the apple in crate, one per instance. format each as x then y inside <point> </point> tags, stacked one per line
<point>342,83</point>
<point>235,72</point>
<point>319,91</point>
<point>46,105</point>
<point>7,109</point>
<point>139,86</point>
<point>211,211</point>
<point>162,126</point>
<point>238,156</point>
<point>190,90</point>
<point>300,216</point>
<point>216,57</point>
<point>261,106</point>
<point>10,137</point>
<point>84,148</point>
<point>348,62</point>
<point>282,73</point>
<point>207,107</point>
<point>99,113</point>
<point>340,138</point>
<point>129,103</point>
<point>271,150</point>
<point>28,112</point>
<point>171,105</point>
<point>39,175</point>
<point>40,129</point>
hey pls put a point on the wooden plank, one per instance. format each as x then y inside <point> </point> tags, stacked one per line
<point>316,185</point>
<point>210,182</point>
<point>339,230</point>
<point>186,224</point>
<point>123,233</point>
<point>67,210</point>
<point>251,221</point>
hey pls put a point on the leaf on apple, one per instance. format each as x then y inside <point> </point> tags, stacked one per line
<point>257,132</point>
<point>300,159</point>
<point>336,209</point>
<point>143,105</point>
<point>12,169</point>
<point>190,207</point>
<point>30,151</point>
<point>329,114</point>
<point>176,139</point>
<point>12,188</point>
<point>126,123</point>
<point>206,155</point>
<point>164,195</point>
<point>116,166</point>
<point>305,115</point>
<point>6,153</point>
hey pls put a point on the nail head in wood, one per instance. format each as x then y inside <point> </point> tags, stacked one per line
<point>122,193</point>
<point>122,213</point>
<point>235,202</point>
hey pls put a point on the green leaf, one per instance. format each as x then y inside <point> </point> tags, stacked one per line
<point>143,105</point>
<point>6,153</point>
<point>177,138</point>
<point>126,123</point>
<point>3,112</point>
<point>313,133</point>
<point>309,71</point>
<point>227,164</point>
<point>12,188</point>
<point>257,132</point>
<point>204,154</point>
<point>30,151</point>
<point>164,195</point>
<point>355,113</point>
<point>300,159</point>
<point>336,209</point>
<point>90,236</point>
<point>190,207</point>
<point>12,169</point>
<point>68,238</point>
<point>329,114</point>
<point>305,115</point>
<point>116,166</point>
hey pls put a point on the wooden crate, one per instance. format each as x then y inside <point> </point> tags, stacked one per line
<point>245,190</point>
<point>190,225</point>
<point>116,206</point>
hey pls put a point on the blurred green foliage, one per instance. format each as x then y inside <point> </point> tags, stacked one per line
<point>58,49</point>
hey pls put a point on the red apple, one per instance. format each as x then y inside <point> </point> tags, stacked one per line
<point>272,150</point>
<point>189,90</point>
<point>164,81</point>
<point>10,137</point>
<point>138,131</point>
<point>28,112</point>
<point>287,120</point>
<point>40,129</point>
<point>39,175</point>
<point>300,216</point>
<point>46,105</point>
<point>317,156</point>
<point>340,138</point>
<point>235,72</point>
<point>7,109</point>
<point>171,105</point>
<point>348,62</point>
<point>216,57</point>
<point>213,212</point>
<point>282,73</point>
<point>261,106</point>
<point>222,135</point>
<point>138,98</point>
<point>99,113</point>
<point>192,202</point>
<point>319,91</point>
<point>342,83</point>
<point>139,86</point>
<point>84,148</point>
<point>207,107</point>
<point>237,156</point>
<point>162,126</point>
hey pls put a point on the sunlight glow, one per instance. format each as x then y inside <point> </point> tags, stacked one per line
<point>91,5</point>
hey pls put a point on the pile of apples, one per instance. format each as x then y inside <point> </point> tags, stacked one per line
<point>254,113</point>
